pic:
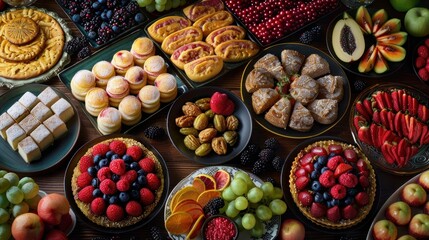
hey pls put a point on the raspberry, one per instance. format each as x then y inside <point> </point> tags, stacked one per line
<point>101,149</point>
<point>305,198</point>
<point>84,180</point>
<point>338,191</point>
<point>133,208</point>
<point>130,176</point>
<point>317,210</point>
<point>122,185</point>
<point>146,196</point>
<point>349,212</point>
<point>362,198</point>
<point>302,182</point>
<point>327,179</point>
<point>420,62</point>
<point>98,206</point>
<point>104,173</point>
<point>424,74</point>
<point>118,147</point>
<point>153,181</point>
<point>363,180</point>
<point>147,165</point>
<point>348,180</point>
<point>115,213</point>
<point>334,161</point>
<point>108,187</point>
<point>333,214</point>
<point>85,194</point>
<point>85,162</point>
<point>135,152</point>
<point>117,166</point>
<point>423,51</point>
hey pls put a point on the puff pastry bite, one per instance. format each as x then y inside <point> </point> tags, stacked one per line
<point>167,86</point>
<point>103,71</point>
<point>56,126</point>
<point>301,118</point>
<point>42,137</point>
<point>63,109</point>
<point>258,78</point>
<point>136,78</point>
<point>272,64</point>
<point>17,111</point>
<point>109,121</point>
<point>223,34</point>
<point>279,114</point>
<point>96,100</point>
<point>324,111</point>
<point>190,52</point>
<point>131,110</point>
<point>304,89</point>
<point>14,134</point>
<point>142,49</point>
<point>292,61</point>
<point>264,98</point>
<point>150,97</point>
<point>41,112</point>
<point>154,66</point>
<point>80,84</point>
<point>204,68</point>
<point>180,38</point>
<point>165,26</point>
<point>331,87</point>
<point>236,50</point>
<point>29,123</point>
<point>315,66</point>
<point>213,21</point>
<point>122,61</point>
<point>48,96</point>
<point>117,88</point>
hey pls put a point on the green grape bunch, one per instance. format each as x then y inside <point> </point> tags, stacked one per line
<point>160,5</point>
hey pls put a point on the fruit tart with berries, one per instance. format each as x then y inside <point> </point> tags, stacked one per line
<point>333,184</point>
<point>117,182</point>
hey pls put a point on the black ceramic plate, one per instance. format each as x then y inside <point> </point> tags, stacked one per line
<point>418,162</point>
<point>241,112</point>
<point>306,50</point>
<point>353,66</point>
<point>107,54</point>
<point>284,178</point>
<point>52,156</point>
<point>415,55</point>
<point>227,67</point>
<point>69,193</point>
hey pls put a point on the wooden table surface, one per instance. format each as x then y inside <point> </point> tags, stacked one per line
<point>179,166</point>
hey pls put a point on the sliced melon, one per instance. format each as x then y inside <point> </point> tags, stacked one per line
<point>347,40</point>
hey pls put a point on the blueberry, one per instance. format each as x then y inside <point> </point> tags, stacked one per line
<point>97,159</point>
<point>92,171</point>
<point>76,18</point>
<point>97,168</point>
<point>352,192</point>
<point>317,166</point>
<point>109,154</point>
<point>141,172</point>
<point>124,197</point>
<point>127,166</point>
<point>318,197</point>
<point>135,194</point>
<point>134,166</point>
<point>323,169</point>
<point>116,29</point>
<point>103,16</point>
<point>127,158</point>
<point>95,182</point>
<point>103,163</point>
<point>115,156</point>
<point>103,25</point>
<point>329,204</point>
<point>139,17</point>
<point>106,197</point>
<point>92,35</point>
<point>335,202</point>
<point>115,177</point>
<point>322,160</point>
<point>135,185</point>
<point>332,154</point>
<point>316,186</point>
<point>109,14</point>
<point>327,196</point>
<point>314,175</point>
<point>348,200</point>
<point>124,3</point>
<point>97,193</point>
<point>142,180</point>
<point>95,5</point>
<point>113,199</point>
<point>102,1</point>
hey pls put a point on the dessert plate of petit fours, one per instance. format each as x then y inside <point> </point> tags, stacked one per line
<point>295,90</point>
<point>330,185</point>
<point>39,126</point>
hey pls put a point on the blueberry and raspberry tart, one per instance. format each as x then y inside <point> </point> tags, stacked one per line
<point>333,184</point>
<point>117,182</point>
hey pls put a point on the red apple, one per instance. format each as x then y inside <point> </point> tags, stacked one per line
<point>424,180</point>
<point>406,237</point>
<point>292,229</point>
<point>52,207</point>
<point>56,234</point>
<point>66,223</point>
<point>426,208</point>
<point>419,226</point>
<point>399,213</point>
<point>384,230</point>
<point>27,226</point>
<point>414,195</point>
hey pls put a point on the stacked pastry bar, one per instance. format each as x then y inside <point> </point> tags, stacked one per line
<point>32,123</point>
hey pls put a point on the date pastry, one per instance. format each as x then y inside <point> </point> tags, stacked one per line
<point>190,52</point>
<point>204,68</point>
<point>301,118</point>
<point>263,99</point>
<point>258,78</point>
<point>331,87</point>
<point>315,66</point>
<point>214,21</point>
<point>165,26</point>
<point>203,8</point>
<point>224,34</point>
<point>180,38</point>
<point>272,64</point>
<point>292,61</point>
<point>324,111</point>
<point>279,113</point>
<point>236,50</point>
<point>304,89</point>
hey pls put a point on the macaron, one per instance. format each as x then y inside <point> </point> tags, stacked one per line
<point>167,86</point>
<point>131,110</point>
<point>154,66</point>
<point>136,78</point>
<point>109,121</point>
<point>142,48</point>
<point>81,82</point>
<point>117,88</point>
<point>122,60</point>
<point>149,95</point>
<point>103,71</point>
<point>96,100</point>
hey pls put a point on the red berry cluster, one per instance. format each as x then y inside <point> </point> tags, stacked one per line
<point>272,19</point>
<point>422,61</point>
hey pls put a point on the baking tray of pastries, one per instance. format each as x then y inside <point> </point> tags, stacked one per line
<point>207,45</point>
<point>35,57</point>
<point>143,85</point>
<point>288,101</point>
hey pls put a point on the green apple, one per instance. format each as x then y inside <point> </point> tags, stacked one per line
<point>416,21</point>
<point>403,5</point>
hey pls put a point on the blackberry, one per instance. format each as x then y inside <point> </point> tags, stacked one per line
<point>277,163</point>
<point>154,132</point>
<point>271,180</point>
<point>132,8</point>
<point>104,35</point>
<point>213,206</point>
<point>359,85</point>
<point>317,31</point>
<point>84,52</point>
<point>86,15</point>
<point>156,234</point>
<point>266,155</point>
<point>259,167</point>
<point>311,35</point>
<point>112,4</point>
<point>253,149</point>
<point>93,24</point>
<point>246,158</point>
<point>72,47</point>
<point>272,143</point>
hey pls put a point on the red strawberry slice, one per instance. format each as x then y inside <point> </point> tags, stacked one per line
<point>404,98</point>
<point>342,168</point>
<point>376,116</point>
<point>368,106</point>
<point>424,137</point>
<point>400,93</point>
<point>405,124</point>
<point>385,150</point>
<point>358,121</point>
<point>362,111</point>
<point>387,99</point>
<point>398,124</point>
<point>306,159</point>
<point>383,118</point>
<point>415,130</point>
<point>379,100</point>
<point>373,128</point>
<point>414,106</point>
<point>423,113</point>
<point>391,120</point>
<point>365,135</point>
<point>396,101</point>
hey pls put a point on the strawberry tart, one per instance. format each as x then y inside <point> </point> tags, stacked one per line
<point>333,184</point>
<point>117,182</point>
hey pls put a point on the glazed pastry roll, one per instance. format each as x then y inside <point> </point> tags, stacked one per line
<point>80,84</point>
<point>28,100</point>
<point>180,38</point>
<point>103,71</point>
<point>165,26</point>
<point>301,118</point>
<point>117,88</point>
<point>41,112</point>
<point>304,89</point>
<point>324,111</point>
<point>48,96</point>
<point>5,122</point>
<point>204,68</point>
<point>14,134</point>
<point>137,78</point>
<point>17,111</point>
<point>236,50</point>
<point>202,8</point>
<point>263,99</point>
<point>292,61</point>
<point>109,121</point>
<point>258,78</point>
<point>190,52</point>
<point>315,66</point>
<point>213,21</point>
<point>223,34</point>
<point>63,109</point>
<point>29,150</point>
<point>131,110</point>
<point>96,100</point>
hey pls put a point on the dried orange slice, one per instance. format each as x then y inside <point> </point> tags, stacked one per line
<point>175,199</point>
<point>195,230</point>
<point>190,194</point>
<point>222,179</point>
<point>179,223</point>
<point>199,185</point>
<point>186,205</point>
<point>208,195</point>
<point>208,180</point>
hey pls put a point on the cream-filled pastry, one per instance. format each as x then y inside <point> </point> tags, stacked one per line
<point>80,84</point>
<point>109,121</point>
<point>117,88</point>
<point>149,95</point>
<point>154,66</point>
<point>136,78</point>
<point>96,100</point>
<point>167,86</point>
<point>131,110</point>
<point>103,71</point>
<point>122,60</point>
<point>142,49</point>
